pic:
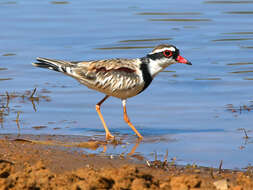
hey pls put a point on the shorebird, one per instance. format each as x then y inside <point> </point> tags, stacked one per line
<point>120,78</point>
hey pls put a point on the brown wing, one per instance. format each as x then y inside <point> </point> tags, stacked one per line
<point>111,75</point>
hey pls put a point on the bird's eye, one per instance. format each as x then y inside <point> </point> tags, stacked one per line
<point>167,53</point>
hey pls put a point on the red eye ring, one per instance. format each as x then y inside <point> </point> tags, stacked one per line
<point>167,53</point>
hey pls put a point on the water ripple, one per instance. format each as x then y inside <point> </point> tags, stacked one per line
<point>207,78</point>
<point>2,79</point>
<point>128,47</point>
<point>59,2</point>
<point>182,20</point>
<point>240,63</point>
<point>232,39</point>
<point>240,12</point>
<point>238,33</point>
<point>240,72</point>
<point>146,40</point>
<point>9,54</point>
<point>170,13</point>
<point>228,2</point>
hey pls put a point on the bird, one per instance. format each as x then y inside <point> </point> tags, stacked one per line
<point>118,77</point>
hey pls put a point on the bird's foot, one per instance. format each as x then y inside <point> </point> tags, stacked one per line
<point>140,138</point>
<point>109,136</point>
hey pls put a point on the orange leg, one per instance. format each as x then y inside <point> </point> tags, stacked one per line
<point>128,121</point>
<point>107,132</point>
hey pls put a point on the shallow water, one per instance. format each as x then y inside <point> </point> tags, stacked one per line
<point>195,112</point>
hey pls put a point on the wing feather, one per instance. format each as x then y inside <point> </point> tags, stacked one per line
<point>113,75</point>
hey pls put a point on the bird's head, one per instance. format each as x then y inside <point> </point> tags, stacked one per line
<point>165,55</point>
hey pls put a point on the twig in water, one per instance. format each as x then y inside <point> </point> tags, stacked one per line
<point>17,122</point>
<point>8,99</point>
<point>166,156</point>
<point>17,118</point>
<point>246,136</point>
<point>34,90</point>
<point>220,166</point>
<point>34,107</point>
<point>155,156</point>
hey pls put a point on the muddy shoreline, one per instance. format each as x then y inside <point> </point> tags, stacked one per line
<point>45,162</point>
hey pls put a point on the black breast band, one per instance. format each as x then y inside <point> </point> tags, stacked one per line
<point>145,73</point>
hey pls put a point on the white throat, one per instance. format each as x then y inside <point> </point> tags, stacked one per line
<point>157,66</point>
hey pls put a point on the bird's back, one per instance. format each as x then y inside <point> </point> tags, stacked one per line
<point>121,78</point>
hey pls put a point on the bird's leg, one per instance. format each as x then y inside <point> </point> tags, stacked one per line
<point>107,132</point>
<point>128,121</point>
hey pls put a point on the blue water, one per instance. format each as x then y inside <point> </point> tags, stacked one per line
<point>186,106</point>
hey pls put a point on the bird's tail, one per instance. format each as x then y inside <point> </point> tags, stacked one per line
<point>57,65</point>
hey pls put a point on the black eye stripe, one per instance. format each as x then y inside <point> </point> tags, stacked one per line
<point>156,56</point>
<point>160,55</point>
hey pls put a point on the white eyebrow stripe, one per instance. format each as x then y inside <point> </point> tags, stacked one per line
<point>163,49</point>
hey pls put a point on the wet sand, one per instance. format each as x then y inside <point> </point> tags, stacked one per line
<point>50,162</point>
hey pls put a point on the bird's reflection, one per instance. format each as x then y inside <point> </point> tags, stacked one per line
<point>105,146</point>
